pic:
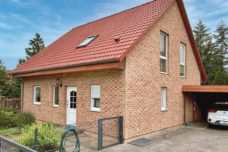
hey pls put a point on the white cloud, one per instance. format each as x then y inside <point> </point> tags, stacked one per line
<point>5,25</point>
<point>15,1</point>
<point>23,3</point>
<point>211,12</point>
<point>114,6</point>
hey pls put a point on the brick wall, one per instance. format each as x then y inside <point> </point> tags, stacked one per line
<point>112,90</point>
<point>144,80</point>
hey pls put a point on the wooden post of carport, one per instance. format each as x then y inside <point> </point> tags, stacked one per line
<point>186,98</point>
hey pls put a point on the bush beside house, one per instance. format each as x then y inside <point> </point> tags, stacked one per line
<point>11,118</point>
<point>21,128</point>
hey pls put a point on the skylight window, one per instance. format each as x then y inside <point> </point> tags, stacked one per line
<point>87,41</point>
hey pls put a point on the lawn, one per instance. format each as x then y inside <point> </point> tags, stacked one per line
<point>9,131</point>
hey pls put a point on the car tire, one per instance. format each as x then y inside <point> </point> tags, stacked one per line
<point>210,126</point>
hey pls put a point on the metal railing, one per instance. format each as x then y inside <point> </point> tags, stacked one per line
<point>37,139</point>
<point>7,145</point>
<point>110,130</point>
<point>95,135</point>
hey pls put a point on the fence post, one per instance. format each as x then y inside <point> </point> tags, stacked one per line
<point>36,139</point>
<point>120,120</point>
<point>100,132</point>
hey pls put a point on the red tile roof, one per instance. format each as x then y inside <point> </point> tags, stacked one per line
<point>209,88</point>
<point>129,26</point>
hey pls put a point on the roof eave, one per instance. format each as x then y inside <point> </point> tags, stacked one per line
<point>108,62</point>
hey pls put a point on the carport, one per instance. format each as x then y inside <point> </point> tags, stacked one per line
<point>203,98</point>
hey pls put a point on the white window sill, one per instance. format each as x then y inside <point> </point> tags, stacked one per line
<point>164,73</point>
<point>55,106</point>
<point>183,77</point>
<point>95,109</point>
<point>37,103</point>
<point>163,110</point>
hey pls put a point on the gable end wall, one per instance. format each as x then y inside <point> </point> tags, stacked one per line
<point>144,80</point>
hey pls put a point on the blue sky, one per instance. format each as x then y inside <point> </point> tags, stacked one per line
<point>21,19</point>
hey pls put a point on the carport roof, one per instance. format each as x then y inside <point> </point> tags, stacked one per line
<point>205,88</point>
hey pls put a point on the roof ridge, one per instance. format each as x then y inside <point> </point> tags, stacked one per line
<point>151,1</point>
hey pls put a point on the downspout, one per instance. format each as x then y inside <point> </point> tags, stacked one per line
<point>22,94</point>
<point>185,123</point>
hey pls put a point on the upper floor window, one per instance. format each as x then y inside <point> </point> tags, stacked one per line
<point>36,95</point>
<point>182,59</point>
<point>163,98</point>
<point>163,52</point>
<point>55,91</point>
<point>95,97</point>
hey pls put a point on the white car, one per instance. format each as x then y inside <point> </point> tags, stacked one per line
<point>218,115</point>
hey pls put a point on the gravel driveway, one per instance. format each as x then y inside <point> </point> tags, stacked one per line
<point>196,138</point>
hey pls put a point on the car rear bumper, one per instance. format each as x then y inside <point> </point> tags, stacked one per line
<point>219,123</point>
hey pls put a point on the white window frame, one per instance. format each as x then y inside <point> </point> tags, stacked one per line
<point>53,96</point>
<point>184,57</point>
<point>164,57</point>
<point>34,95</point>
<point>163,98</point>
<point>98,95</point>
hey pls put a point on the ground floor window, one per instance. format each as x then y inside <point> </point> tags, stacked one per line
<point>55,91</point>
<point>163,98</point>
<point>95,97</point>
<point>36,95</point>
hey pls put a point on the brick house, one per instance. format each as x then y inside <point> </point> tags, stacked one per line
<point>133,63</point>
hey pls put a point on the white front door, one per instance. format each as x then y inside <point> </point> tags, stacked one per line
<point>71,106</point>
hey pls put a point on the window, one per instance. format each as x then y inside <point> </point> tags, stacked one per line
<point>182,60</point>
<point>73,99</point>
<point>95,97</point>
<point>36,95</point>
<point>55,91</point>
<point>163,98</point>
<point>87,41</point>
<point>163,52</point>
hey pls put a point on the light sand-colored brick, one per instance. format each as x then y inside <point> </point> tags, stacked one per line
<point>144,80</point>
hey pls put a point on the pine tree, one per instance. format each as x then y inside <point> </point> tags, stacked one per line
<point>36,44</point>
<point>221,41</point>
<point>204,44</point>
<point>221,78</point>
<point>211,53</point>
<point>202,36</point>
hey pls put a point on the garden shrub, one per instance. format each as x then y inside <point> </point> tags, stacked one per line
<point>24,118</point>
<point>11,118</point>
<point>7,118</point>
<point>48,137</point>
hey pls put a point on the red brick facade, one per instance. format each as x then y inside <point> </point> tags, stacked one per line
<point>133,92</point>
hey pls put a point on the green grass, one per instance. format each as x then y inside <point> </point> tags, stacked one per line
<point>9,131</point>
